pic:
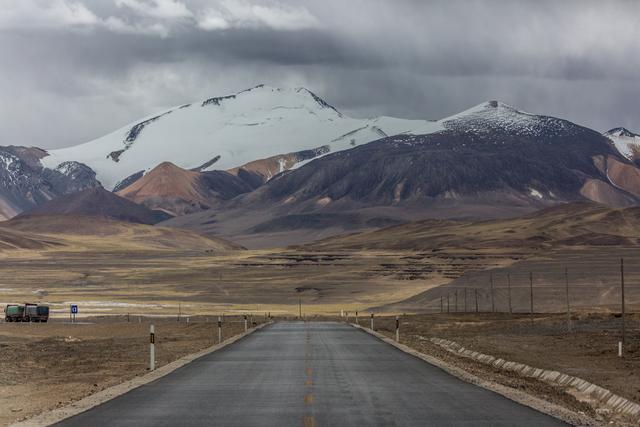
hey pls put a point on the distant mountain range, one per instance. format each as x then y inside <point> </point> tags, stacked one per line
<point>272,166</point>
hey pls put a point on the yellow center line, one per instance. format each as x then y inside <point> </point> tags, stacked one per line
<point>308,399</point>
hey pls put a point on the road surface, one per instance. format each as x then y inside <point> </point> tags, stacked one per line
<point>310,374</point>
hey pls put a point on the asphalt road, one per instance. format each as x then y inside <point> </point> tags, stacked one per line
<point>310,374</point>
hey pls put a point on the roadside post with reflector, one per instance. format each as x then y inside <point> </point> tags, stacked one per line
<point>152,348</point>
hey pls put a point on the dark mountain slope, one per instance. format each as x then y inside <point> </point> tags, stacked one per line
<point>100,203</point>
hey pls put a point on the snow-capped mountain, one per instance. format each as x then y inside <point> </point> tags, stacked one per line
<point>626,142</point>
<point>489,161</point>
<point>227,132</point>
<point>24,183</point>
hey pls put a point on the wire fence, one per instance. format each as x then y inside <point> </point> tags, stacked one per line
<point>541,289</point>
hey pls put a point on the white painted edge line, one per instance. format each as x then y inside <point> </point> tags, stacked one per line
<point>518,396</point>
<point>56,415</point>
<point>583,390</point>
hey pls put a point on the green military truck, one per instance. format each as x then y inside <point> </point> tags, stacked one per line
<point>27,312</point>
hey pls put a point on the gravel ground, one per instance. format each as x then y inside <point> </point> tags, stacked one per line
<point>45,366</point>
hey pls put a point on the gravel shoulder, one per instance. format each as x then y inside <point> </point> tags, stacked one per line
<point>48,366</point>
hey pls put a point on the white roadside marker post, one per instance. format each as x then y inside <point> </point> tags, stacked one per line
<point>357,318</point>
<point>219,329</point>
<point>372,321</point>
<point>152,348</point>
<point>245,323</point>
<point>397,329</point>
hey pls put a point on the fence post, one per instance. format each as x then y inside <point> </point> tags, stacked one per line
<point>219,329</point>
<point>493,305</point>
<point>152,348</point>
<point>397,329</point>
<point>566,282</point>
<point>509,291</point>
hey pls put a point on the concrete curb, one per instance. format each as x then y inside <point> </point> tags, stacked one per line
<point>518,396</point>
<point>582,390</point>
<point>75,408</point>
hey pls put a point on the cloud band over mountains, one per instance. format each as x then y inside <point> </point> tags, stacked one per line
<point>73,70</point>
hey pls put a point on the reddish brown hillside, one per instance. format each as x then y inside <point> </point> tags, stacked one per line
<point>178,191</point>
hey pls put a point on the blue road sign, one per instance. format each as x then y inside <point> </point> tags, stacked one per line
<point>74,309</point>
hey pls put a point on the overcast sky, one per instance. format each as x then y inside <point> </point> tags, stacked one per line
<point>73,70</point>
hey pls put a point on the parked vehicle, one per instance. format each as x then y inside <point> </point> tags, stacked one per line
<point>13,313</point>
<point>28,312</point>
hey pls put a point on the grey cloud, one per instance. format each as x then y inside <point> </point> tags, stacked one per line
<point>67,83</point>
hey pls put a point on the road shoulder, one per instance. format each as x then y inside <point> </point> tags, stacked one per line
<point>518,396</point>
<point>59,414</point>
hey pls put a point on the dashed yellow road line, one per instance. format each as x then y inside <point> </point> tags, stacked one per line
<point>308,399</point>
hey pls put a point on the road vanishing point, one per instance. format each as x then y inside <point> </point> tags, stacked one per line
<point>310,374</point>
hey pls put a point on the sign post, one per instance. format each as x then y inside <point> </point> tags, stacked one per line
<point>73,312</point>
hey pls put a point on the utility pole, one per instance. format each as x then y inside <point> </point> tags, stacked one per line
<point>622,302</point>
<point>509,291</point>
<point>493,305</point>
<point>465,300</point>
<point>456,310</point>
<point>566,282</point>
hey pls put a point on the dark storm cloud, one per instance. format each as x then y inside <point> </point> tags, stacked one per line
<point>75,69</point>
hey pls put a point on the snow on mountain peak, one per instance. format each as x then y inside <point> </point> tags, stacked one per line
<point>235,129</point>
<point>494,116</point>
<point>626,142</point>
